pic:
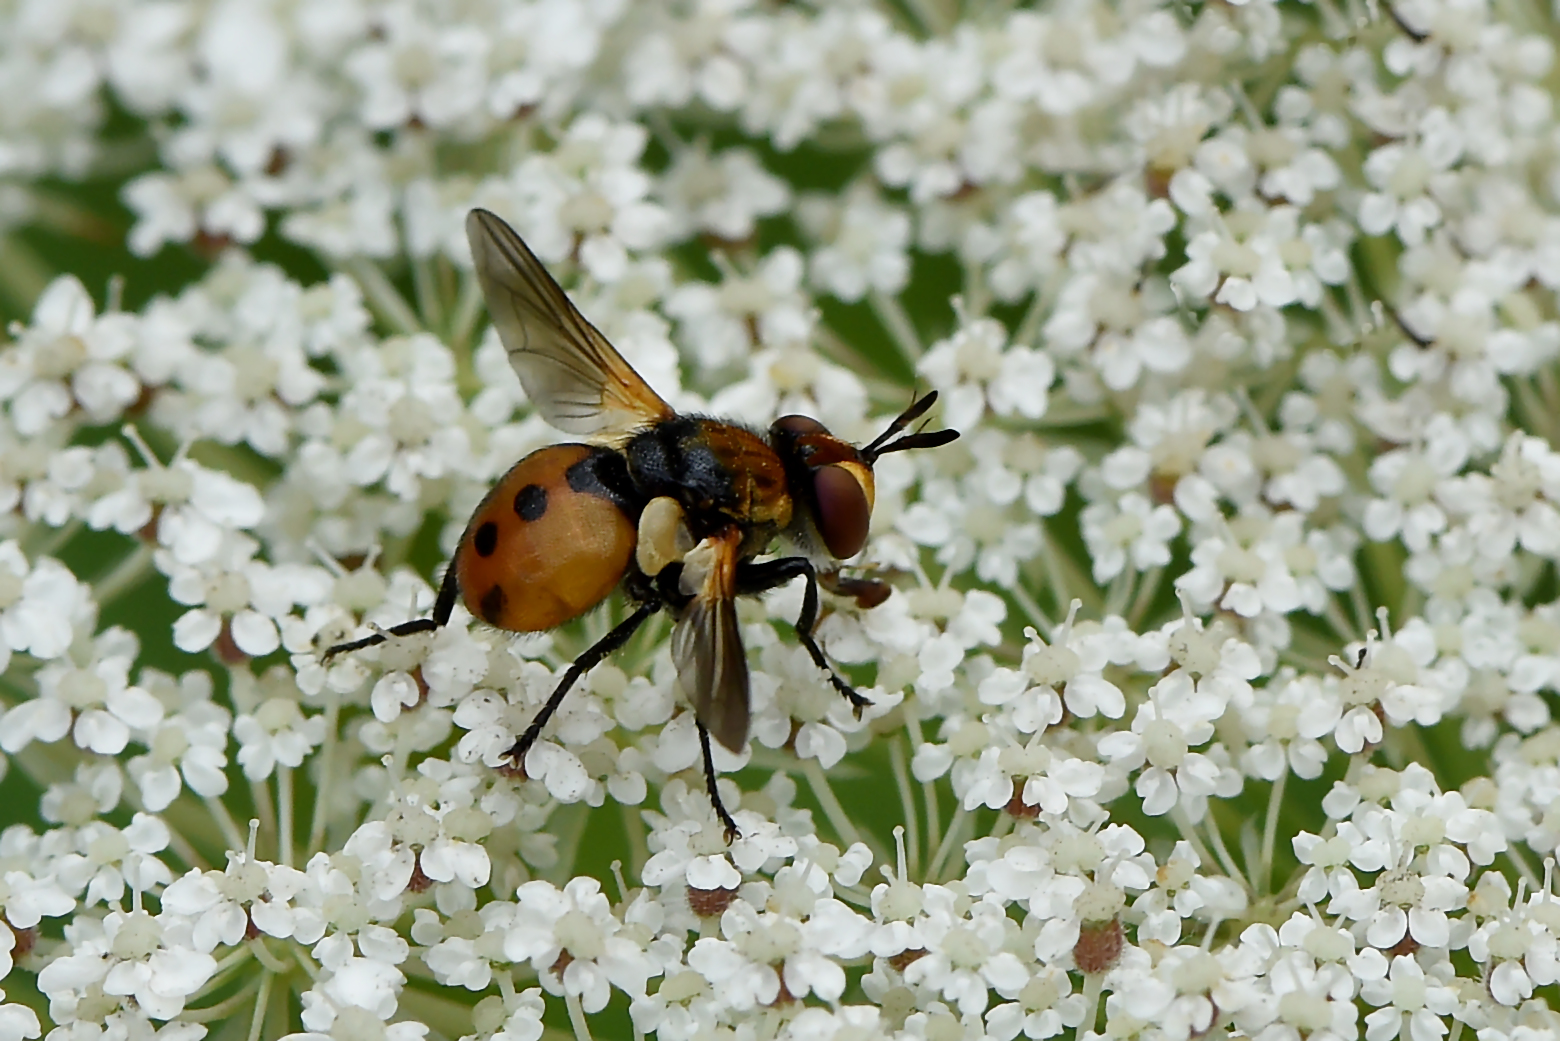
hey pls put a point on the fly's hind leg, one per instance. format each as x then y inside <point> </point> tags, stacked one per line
<point>443,607</point>
<point>754,578</point>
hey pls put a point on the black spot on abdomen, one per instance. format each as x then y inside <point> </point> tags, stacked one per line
<point>531,502</point>
<point>492,605</point>
<point>485,539</point>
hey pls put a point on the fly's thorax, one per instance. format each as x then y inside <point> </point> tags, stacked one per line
<point>719,473</point>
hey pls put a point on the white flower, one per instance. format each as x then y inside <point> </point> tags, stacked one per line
<point>40,605</point>
<point>723,195</point>
<point>105,860</point>
<point>189,745</point>
<point>200,200</point>
<point>724,324</point>
<point>232,591</point>
<point>1413,1004</point>
<point>128,956</point>
<point>1406,177</point>
<point>27,900</point>
<point>1179,716</point>
<point>1130,529</point>
<point>862,245</point>
<point>278,733</point>
<point>591,187</point>
<point>578,922</point>
<point>419,69</point>
<point>193,505</point>
<point>68,358</point>
<point>1238,262</point>
<point>94,701</point>
<point>1122,323</point>
<point>977,368</point>
<point>357,989</point>
<point>18,1021</point>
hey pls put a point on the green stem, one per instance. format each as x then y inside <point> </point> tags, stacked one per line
<point>463,328</point>
<point>1037,615</point>
<point>896,758</point>
<point>265,806</point>
<point>1120,591</point>
<point>327,768</point>
<point>226,1007</point>
<point>634,832</point>
<point>900,329</point>
<point>838,818</point>
<point>284,805</point>
<point>928,788</point>
<point>55,540</point>
<point>1189,833</point>
<point>577,1017</point>
<point>264,956</point>
<point>955,826</point>
<point>1148,590</point>
<point>1340,623</point>
<point>225,822</point>
<point>124,576</point>
<point>237,956</point>
<point>383,298</point>
<point>262,1003</point>
<point>425,285</point>
<point>1211,826</point>
<point>1270,830</point>
<point>1063,576</point>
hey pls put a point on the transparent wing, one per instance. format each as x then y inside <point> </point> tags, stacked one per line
<point>707,647</point>
<point>573,376</point>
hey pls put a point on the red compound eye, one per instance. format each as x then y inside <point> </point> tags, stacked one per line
<point>844,512</point>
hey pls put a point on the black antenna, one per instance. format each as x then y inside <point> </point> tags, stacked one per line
<point>880,445</point>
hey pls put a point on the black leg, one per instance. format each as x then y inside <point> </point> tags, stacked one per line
<point>733,833</point>
<point>758,578</point>
<point>443,607</point>
<point>583,664</point>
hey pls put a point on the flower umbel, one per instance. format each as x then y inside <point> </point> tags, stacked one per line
<point>1210,671</point>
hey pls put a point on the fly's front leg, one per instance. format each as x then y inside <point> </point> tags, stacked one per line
<point>867,592</point>
<point>754,578</point>
<point>443,607</point>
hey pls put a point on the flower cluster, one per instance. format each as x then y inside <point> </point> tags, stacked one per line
<point>1212,695</point>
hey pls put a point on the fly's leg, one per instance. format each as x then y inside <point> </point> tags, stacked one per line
<point>867,592</point>
<point>733,833</point>
<point>443,607</point>
<point>583,664</point>
<point>753,578</point>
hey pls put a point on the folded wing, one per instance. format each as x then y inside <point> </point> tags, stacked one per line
<point>707,641</point>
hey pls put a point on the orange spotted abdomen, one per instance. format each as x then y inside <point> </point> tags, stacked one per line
<point>551,539</point>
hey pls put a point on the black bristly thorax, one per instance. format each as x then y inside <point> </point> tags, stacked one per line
<point>710,469</point>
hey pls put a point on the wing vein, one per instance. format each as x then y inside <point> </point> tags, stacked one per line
<point>572,375</point>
